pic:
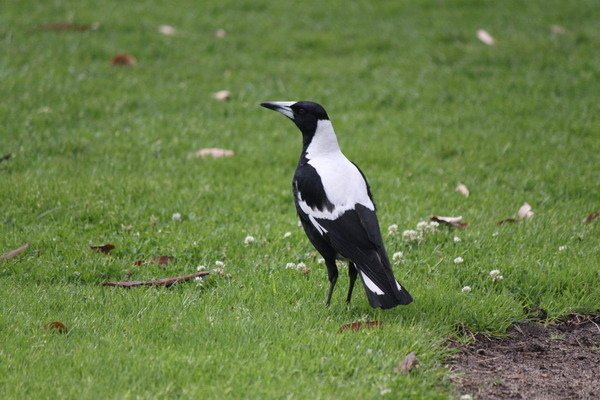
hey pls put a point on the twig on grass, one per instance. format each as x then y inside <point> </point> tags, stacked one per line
<point>157,282</point>
<point>13,253</point>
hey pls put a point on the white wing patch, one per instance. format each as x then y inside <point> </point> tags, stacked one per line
<point>371,285</point>
<point>317,225</point>
<point>398,285</point>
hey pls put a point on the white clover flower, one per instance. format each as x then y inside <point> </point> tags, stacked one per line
<point>290,266</point>
<point>219,270</point>
<point>249,239</point>
<point>466,289</point>
<point>287,235</point>
<point>562,248</point>
<point>176,216</point>
<point>199,280</point>
<point>302,268</point>
<point>393,229</point>
<point>427,226</point>
<point>384,391</point>
<point>495,234</point>
<point>495,275</point>
<point>456,239</point>
<point>466,397</point>
<point>194,244</point>
<point>200,268</point>
<point>422,225</point>
<point>411,235</point>
<point>458,260</point>
<point>397,257</point>
<point>321,260</point>
<point>219,263</point>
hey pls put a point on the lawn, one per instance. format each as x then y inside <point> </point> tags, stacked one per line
<point>105,154</point>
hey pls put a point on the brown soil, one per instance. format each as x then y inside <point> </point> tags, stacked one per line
<point>535,361</point>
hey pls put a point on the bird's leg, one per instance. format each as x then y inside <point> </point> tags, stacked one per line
<point>332,272</point>
<point>352,274</point>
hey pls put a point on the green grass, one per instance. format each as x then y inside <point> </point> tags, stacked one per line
<point>417,101</point>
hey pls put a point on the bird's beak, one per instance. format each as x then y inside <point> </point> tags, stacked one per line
<point>284,107</point>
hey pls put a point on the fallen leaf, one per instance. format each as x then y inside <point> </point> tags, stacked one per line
<point>157,282</point>
<point>409,362</point>
<point>592,216</point>
<point>124,59</point>
<point>557,29</point>
<point>68,26</point>
<point>220,33</point>
<point>222,95</point>
<point>138,263</point>
<point>161,260</point>
<point>455,222</point>
<point>507,220</point>
<point>214,153</point>
<point>6,157</point>
<point>167,30</point>
<point>525,212</point>
<point>359,324</point>
<point>13,253</point>
<point>485,37</point>
<point>103,248</point>
<point>56,326</point>
<point>462,189</point>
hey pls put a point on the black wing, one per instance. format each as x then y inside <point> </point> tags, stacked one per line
<point>356,236</point>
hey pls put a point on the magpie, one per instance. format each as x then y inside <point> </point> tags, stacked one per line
<point>335,206</point>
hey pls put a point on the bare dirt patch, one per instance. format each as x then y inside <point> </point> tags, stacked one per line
<point>535,361</point>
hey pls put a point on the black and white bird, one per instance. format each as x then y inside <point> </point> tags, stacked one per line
<point>336,209</point>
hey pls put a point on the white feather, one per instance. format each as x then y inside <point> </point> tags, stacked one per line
<point>371,285</point>
<point>342,181</point>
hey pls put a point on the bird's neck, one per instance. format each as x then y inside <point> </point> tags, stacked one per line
<point>322,143</point>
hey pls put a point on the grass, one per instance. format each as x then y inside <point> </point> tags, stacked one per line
<point>101,155</point>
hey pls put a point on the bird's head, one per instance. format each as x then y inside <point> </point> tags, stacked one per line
<point>305,114</point>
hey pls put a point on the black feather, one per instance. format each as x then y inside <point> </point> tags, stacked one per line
<point>308,185</point>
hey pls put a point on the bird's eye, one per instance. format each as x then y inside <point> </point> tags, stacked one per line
<point>301,111</point>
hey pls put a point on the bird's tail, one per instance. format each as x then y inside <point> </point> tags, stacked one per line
<point>384,291</point>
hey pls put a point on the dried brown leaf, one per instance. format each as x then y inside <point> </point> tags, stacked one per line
<point>557,29</point>
<point>157,282</point>
<point>13,253</point>
<point>409,362</point>
<point>56,326</point>
<point>507,220</point>
<point>103,248</point>
<point>124,59</point>
<point>161,260</point>
<point>485,37</point>
<point>592,216</point>
<point>220,33</point>
<point>525,212</point>
<point>462,189</point>
<point>222,95</point>
<point>138,263</point>
<point>455,222</point>
<point>68,26</point>
<point>359,324</point>
<point>214,153</point>
<point>167,30</point>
